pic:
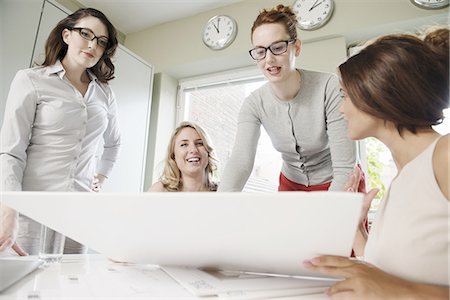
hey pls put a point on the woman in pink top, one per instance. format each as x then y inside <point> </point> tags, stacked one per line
<point>395,90</point>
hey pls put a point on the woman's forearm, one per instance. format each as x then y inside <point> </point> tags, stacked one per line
<point>430,292</point>
<point>360,240</point>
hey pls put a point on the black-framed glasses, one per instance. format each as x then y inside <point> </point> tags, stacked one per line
<point>87,34</point>
<point>276,48</point>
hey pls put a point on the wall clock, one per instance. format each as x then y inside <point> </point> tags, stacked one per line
<point>219,32</point>
<point>430,4</point>
<point>312,14</point>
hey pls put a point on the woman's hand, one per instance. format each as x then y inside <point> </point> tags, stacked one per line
<point>368,197</point>
<point>362,232</point>
<point>352,186</point>
<point>354,180</point>
<point>9,227</point>
<point>365,281</point>
<point>97,183</point>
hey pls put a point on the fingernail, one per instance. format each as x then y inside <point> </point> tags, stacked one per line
<point>307,263</point>
<point>315,260</point>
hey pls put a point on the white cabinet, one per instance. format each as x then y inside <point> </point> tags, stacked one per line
<point>133,90</point>
<point>19,20</point>
<point>132,86</point>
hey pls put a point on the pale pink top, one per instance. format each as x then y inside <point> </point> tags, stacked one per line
<point>410,234</point>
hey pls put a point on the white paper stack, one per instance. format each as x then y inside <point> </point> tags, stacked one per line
<point>241,285</point>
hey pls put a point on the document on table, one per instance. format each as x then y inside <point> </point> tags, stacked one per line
<point>232,285</point>
<point>256,232</point>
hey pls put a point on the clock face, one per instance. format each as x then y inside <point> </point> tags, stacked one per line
<point>219,32</point>
<point>312,14</point>
<point>430,4</point>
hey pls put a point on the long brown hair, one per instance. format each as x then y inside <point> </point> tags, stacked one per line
<point>401,78</point>
<point>279,14</point>
<point>56,48</point>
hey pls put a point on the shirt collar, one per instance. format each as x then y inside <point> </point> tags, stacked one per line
<point>58,69</point>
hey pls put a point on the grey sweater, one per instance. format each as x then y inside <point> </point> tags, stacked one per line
<point>308,131</point>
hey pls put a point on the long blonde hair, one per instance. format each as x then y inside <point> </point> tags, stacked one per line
<point>171,177</point>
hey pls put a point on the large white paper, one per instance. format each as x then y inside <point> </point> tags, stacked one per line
<point>260,232</point>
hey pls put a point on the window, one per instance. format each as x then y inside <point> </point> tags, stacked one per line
<point>215,107</point>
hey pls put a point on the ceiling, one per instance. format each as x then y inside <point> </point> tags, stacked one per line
<point>130,16</point>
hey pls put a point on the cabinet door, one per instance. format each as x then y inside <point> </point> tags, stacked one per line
<point>51,15</point>
<point>19,20</point>
<point>132,87</point>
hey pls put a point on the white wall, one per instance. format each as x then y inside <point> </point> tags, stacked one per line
<point>176,48</point>
<point>318,56</point>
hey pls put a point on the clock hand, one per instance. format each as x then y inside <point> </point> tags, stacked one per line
<point>217,27</point>
<point>315,5</point>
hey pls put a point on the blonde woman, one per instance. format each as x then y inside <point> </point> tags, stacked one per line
<point>190,164</point>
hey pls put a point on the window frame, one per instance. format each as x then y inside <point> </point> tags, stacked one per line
<point>209,80</point>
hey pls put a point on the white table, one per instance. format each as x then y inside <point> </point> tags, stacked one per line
<point>93,276</point>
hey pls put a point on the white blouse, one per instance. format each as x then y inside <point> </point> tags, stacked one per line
<point>410,234</point>
<point>51,134</point>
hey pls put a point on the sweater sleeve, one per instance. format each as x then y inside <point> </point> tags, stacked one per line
<point>342,149</point>
<point>240,165</point>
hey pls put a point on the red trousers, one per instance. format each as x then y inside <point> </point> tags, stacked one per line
<point>287,185</point>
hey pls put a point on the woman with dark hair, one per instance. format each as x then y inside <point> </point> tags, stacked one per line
<point>190,164</point>
<point>299,109</point>
<point>395,90</point>
<point>57,116</point>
